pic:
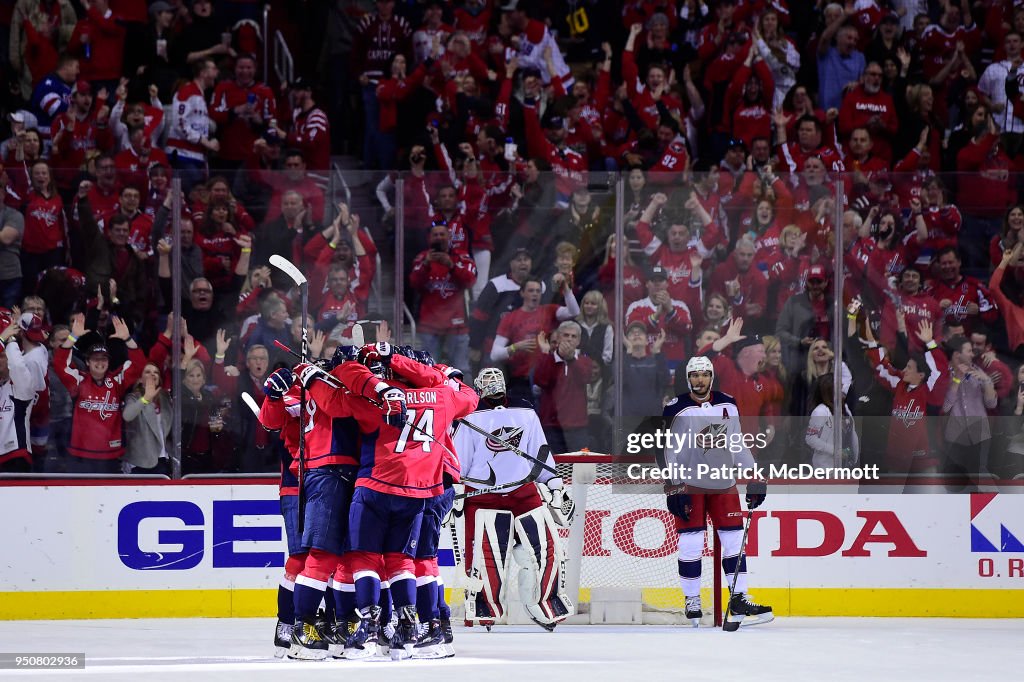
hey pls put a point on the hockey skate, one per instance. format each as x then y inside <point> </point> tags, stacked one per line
<point>405,634</point>
<point>282,639</point>
<point>449,637</point>
<point>335,635</point>
<point>386,637</point>
<point>307,644</point>
<point>431,642</point>
<point>694,610</point>
<point>363,642</point>
<point>746,612</point>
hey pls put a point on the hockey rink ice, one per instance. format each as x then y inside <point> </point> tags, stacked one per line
<point>787,649</point>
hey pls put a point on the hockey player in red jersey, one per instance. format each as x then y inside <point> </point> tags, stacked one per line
<point>521,521</point>
<point>331,461</point>
<point>275,415</point>
<point>401,466</point>
<point>704,413</point>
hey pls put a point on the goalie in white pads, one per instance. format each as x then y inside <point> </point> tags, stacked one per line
<point>519,521</point>
<point>707,424</point>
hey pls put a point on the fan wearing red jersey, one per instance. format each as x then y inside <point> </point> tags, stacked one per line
<point>921,384</point>
<point>96,433</point>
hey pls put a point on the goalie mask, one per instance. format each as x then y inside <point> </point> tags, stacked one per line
<point>490,384</point>
<point>371,358</point>
<point>699,363</point>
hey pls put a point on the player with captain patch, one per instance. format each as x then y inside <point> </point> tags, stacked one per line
<point>701,421</point>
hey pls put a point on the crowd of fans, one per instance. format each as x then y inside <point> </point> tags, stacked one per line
<point>734,146</point>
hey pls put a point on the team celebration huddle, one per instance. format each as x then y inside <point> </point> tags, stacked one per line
<point>380,440</point>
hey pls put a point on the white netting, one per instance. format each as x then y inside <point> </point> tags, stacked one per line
<point>629,540</point>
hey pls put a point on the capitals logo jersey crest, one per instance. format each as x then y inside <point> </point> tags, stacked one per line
<point>515,425</point>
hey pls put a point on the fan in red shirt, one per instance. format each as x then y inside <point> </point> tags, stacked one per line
<point>96,433</point>
<point>651,95</point>
<point>515,341</point>
<point>810,136</point>
<point>133,163</point>
<point>77,131</point>
<point>748,100</point>
<point>742,283</point>
<point>964,300</point>
<point>868,106</point>
<point>863,164</point>
<point>98,42</point>
<point>241,109</point>
<point>913,304</point>
<point>660,312</point>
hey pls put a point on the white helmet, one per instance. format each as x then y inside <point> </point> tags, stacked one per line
<point>490,382</point>
<point>699,363</point>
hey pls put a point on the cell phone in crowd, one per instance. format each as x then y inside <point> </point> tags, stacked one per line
<point>511,149</point>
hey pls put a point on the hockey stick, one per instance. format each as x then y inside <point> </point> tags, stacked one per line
<point>727,625</point>
<point>250,402</point>
<point>505,487</point>
<point>288,268</point>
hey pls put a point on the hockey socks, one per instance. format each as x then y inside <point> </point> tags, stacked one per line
<point>309,592</point>
<point>444,612</point>
<point>286,601</point>
<point>730,540</point>
<point>385,603</point>
<point>401,574</point>
<point>426,590</point>
<point>691,547</point>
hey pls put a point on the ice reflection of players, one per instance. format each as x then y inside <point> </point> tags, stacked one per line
<point>698,417</point>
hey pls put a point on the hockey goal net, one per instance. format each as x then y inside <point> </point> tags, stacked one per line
<point>622,544</point>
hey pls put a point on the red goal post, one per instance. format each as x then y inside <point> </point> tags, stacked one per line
<point>623,538</point>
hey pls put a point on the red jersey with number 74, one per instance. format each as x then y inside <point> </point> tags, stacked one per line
<point>406,461</point>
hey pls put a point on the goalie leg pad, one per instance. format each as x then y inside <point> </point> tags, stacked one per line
<point>541,560</point>
<point>485,590</point>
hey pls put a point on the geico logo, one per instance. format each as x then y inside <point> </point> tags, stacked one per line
<point>650,533</point>
<point>146,529</point>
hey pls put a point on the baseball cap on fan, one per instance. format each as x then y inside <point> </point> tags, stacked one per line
<point>816,272</point>
<point>98,349</point>
<point>32,327</point>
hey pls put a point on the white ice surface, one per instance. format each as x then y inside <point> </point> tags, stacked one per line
<point>875,649</point>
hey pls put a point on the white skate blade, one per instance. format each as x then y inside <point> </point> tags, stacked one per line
<point>758,620</point>
<point>429,652</point>
<point>299,653</point>
<point>280,651</point>
<point>449,651</point>
<point>695,622</point>
<point>401,653</point>
<point>335,650</point>
<point>357,654</point>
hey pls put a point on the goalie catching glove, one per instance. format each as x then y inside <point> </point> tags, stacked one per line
<point>559,502</point>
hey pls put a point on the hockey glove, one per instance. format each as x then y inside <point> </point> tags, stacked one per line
<point>392,404</point>
<point>679,505</point>
<point>454,373</point>
<point>278,383</point>
<point>385,350</point>
<point>756,493</point>
<point>560,502</point>
<point>308,373</point>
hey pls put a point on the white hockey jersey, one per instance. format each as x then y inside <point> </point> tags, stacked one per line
<point>710,434</point>
<point>190,122</point>
<point>17,395</point>
<point>517,425</point>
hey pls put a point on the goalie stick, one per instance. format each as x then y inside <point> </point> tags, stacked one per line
<point>728,625</point>
<point>288,268</point>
